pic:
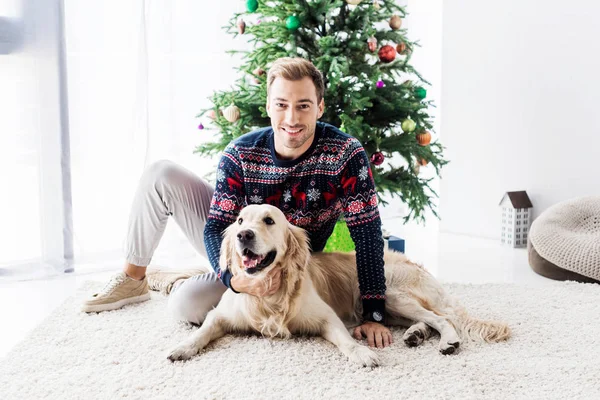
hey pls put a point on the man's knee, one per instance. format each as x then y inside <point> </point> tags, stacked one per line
<point>195,297</point>
<point>160,171</point>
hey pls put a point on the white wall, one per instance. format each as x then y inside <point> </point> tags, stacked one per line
<point>520,91</point>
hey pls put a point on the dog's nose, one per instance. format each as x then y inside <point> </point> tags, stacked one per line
<point>245,236</point>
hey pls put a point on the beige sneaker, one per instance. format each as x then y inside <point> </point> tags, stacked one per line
<point>162,280</point>
<point>119,291</point>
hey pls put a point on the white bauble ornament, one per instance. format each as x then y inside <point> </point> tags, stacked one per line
<point>231,113</point>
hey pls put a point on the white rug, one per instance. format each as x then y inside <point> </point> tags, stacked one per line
<point>554,354</point>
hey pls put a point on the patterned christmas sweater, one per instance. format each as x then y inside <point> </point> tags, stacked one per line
<point>332,177</point>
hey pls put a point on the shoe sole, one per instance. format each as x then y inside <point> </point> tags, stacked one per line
<point>116,305</point>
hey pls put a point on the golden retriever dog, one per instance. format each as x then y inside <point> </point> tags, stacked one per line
<point>320,290</point>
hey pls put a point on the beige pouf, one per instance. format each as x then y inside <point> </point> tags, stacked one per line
<point>564,241</point>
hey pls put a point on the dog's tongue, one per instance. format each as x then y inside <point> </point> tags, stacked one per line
<point>251,261</point>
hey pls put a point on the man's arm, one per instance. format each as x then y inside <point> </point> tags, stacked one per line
<point>364,223</point>
<point>228,199</point>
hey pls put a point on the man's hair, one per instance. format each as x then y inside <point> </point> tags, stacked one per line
<point>295,69</point>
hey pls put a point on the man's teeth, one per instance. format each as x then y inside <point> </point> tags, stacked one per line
<point>292,130</point>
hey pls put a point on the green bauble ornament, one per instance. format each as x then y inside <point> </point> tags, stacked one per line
<point>408,125</point>
<point>252,5</point>
<point>292,23</point>
<point>420,93</point>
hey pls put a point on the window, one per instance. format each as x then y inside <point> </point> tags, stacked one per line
<point>111,70</point>
<point>518,242</point>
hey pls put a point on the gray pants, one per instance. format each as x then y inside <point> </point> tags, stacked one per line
<point>169,190</point>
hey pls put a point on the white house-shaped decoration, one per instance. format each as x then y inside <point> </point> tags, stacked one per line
<point>516,218</point>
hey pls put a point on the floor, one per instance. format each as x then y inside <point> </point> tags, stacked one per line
<point>450,257</point>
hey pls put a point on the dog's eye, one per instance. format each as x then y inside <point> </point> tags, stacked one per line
<point>240,220</point>
<point>269,221</point>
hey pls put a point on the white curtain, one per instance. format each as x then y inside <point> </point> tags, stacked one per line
<point>137,74</point>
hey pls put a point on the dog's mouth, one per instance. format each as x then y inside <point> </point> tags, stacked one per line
<point>256,262</point>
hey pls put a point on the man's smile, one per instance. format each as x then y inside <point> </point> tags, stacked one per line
<point>292,131</point>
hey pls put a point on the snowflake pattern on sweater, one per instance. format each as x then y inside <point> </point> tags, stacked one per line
<point>332,177</point>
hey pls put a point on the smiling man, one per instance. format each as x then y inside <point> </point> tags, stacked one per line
<point>310,170</point>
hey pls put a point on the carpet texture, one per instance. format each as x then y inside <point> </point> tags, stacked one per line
<point>554,354</point>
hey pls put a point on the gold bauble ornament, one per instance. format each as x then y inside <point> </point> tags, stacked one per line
<point>372,43</point>
<point>401,47</point>
<point>423,138</point>
<point>376,4</point>
<point>231,113</point>
<point>395,22</point>
<point>354,2</point>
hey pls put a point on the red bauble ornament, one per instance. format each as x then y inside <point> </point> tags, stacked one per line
<point>377,158</point>
<point>387,53</point>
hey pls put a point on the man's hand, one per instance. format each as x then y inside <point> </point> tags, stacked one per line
<point>375,333</point>
<point>256,286</point>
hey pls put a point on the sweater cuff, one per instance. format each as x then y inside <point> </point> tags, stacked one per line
<point>374,309</point>
<point>225,277</point>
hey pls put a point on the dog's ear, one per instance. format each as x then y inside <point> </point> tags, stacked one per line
<point>226,258</point>
<point>298,248</point>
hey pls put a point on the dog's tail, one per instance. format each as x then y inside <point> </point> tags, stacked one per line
<point>481,330</point>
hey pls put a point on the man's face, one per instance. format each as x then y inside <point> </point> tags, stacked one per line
<point>294,110</point>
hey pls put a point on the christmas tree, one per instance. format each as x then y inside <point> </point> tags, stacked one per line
<point>372,91</point>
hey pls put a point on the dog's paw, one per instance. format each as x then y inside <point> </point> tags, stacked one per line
<point>414,338</point>
<point>364,356</point>
<point>183,352</point>
<point>449,348</point>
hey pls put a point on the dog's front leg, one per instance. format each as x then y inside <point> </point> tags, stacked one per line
<point>211,329</point>
<point>335,331</point>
